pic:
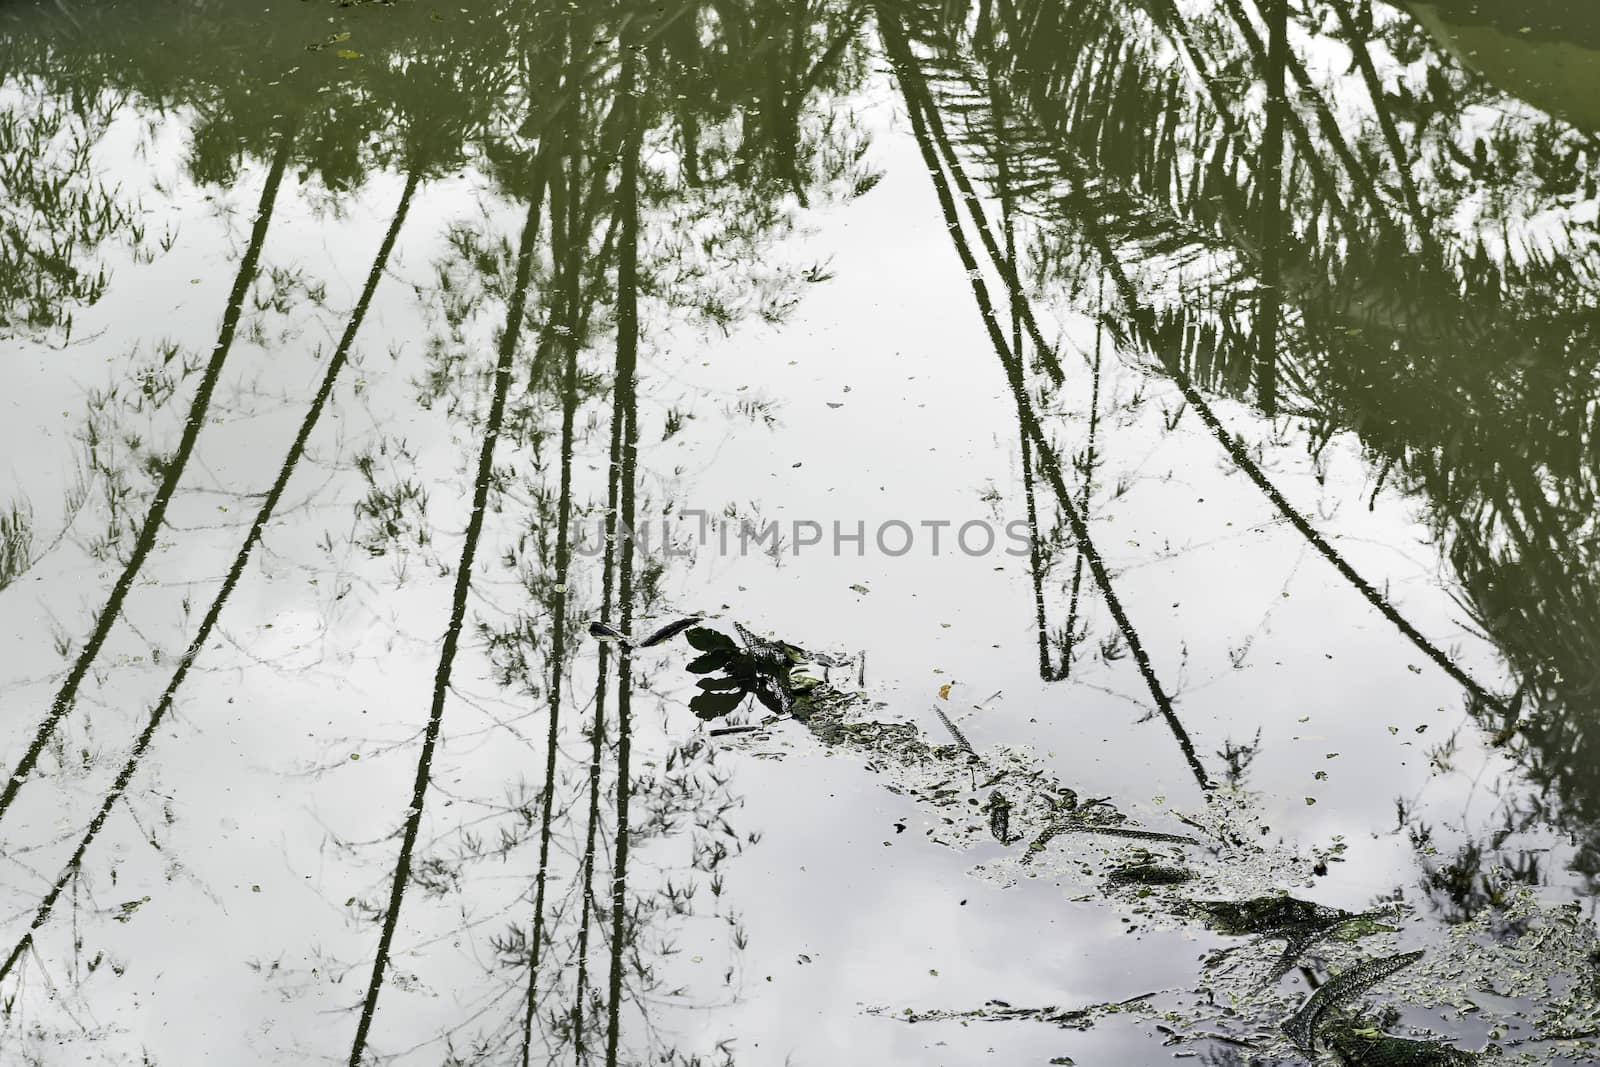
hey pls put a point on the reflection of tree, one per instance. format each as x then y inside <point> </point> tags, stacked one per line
<point>756,71</point>
<point>611,247</point>
<point>1468,876</point>
<point>1314,271</point>
<point>1429,288</point>
<point>202,635</point>
<point>929,129</point>
<point>452,634</point>
<point>242,121</point>
<point>575,1007</point>
<point>407,86</point>
<point>172,471</point>
<point>55,214</point>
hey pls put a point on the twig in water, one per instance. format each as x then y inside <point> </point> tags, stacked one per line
<point>961,738</point>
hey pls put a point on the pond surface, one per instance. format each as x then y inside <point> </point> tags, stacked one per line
<point>1133,464</point>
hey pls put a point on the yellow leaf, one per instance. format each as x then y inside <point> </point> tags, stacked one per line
<point>346,53</point>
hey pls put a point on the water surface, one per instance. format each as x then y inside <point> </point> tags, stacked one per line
<point>1194,403</point>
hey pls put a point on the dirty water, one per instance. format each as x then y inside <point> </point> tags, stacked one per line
<point>833,532</point>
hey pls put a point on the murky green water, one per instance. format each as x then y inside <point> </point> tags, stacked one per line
<point>1135,464</point>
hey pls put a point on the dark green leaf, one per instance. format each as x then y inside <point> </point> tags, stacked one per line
<point>709,661</point>
<point>715,705</point>
<point>721,683</point>
<point>707,640</point>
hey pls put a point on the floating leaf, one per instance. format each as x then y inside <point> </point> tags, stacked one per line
<point>715,705</point>
<point>1000,817</point>
<point>707,640</point>
<point>725,682</point>
<point>707,662</point>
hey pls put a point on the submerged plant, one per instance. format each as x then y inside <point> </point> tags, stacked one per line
<point>1149,873</point>
<point>1302,1027</point>
<point>1366,1046</point>
<point>1271,916</point>
<point>1299,923</point>
<point>999,809</point>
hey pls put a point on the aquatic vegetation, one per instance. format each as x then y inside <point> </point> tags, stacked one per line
<point>1366,1046</point>
<point>756,668</point>
<point>1300,924</point>
<point>1160,889</point>
<point>1147,873</point>
<point>1093,818</point>
<point>1340,990</point>
<point>1268,916</point>
<point>999,809</point>
<point>606,632</point>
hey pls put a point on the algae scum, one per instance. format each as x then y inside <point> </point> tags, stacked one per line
<point>841,531</point>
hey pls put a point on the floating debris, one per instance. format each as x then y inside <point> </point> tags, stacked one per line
<point>1073,824</point>
<point>669,631</point>
<point>1548,966</point>
<point>606,632</point>
<point>1000,818</point>
<point>1000,1011</point>
<point>955,732</point>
